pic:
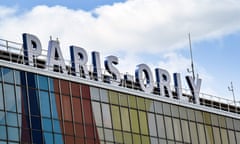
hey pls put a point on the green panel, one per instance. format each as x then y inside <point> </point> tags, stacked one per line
<point>132,102</point>
<point>118,136</point>
<point>140,103</point>
<point>177,129</point>
<point>143,123</point>
<point>185,131</point>
<point>149,105</point>
<point>125,119</point>
<point>136,139</point>
<point>224,136</point>
<point>116,117</point>
<point>113,96</point>
<point>123,99</point>
<point>127,138</point>
<point>169,128</point>
<point>209,134</point>
<point>201,134</point>
<point>134,120</point>
<point>207,118</point>
<point>145,139</point>
<point>193,132</point>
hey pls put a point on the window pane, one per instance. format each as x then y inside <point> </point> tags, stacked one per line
<point>191,115</point>
<point>47,124</point>
<point>2,118</point>
<point>108,135</point>
<point>199,117</point>
<point>177,129</point>
<point>44,103</point>
<point>12,119</point>
<point>152,124</point>
<point>118,136</point>
<point>77,110</point>
<point>201,134</point>
<point>113,96</point>
<point>134,120</point>
<point>158,107</point>
<point>19,99</point>
<point>3,134</point>
<point>185,131</point>
<point>7,75</point>
<point>104,95</point>
<point>216,135</point>
<point>193,132</point>
<point>143,122</point>
<point>67,108</point>
<point>13,134</point>
<point>140,103</point>
<point>160,126</point>
<point>125,119</point>
<point>106,116</point>
<point>9,96</point>
<point>174,110</point>
<point>224,136</point>
<point>169,127</point>
<point>132,102</point>
<point>166,109</point>
<point>231,137</point>
<point>209,134</point>
<point>1,97</point>
<point>43,82</point>
<point>116,117</point>
<point>149,105</point>
<point>95,93</point>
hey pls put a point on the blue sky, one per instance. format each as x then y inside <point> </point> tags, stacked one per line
<point>141,31</point>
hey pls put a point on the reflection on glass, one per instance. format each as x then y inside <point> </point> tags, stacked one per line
<point>9,97</point>
<point>160,126</point>
<point>193,132</point>
<point>174,110</point>
<point>201,133</point>
<point>216,135</point>
<point>104,95</point>
<point>97,113</point>
<point>18,99</point>
<point>152,125</point>
<point>53,106</point>
<point>209,134</point>
<point>2,118</point>
<point>3,134</point>
<point>224,136</point>
<point>1,98</point>
<point>56,126</point>
<point>169,127</point>
<point>48,137</point>
<point>58,139</point>
<point>44,103</point>
<point>199,117</point>
<point>46,124</point>
<point>229,123</point>
<point>43,82</point>
<point>17,77</point>
<point>183,112</point>
<point>177,129</point>
<point>13,134</point>
<point>106,116</point>
<point>108,135</point>
<point>12,119</point>
<point>231,136</point>
<point>214,119</point>
<point>94,93</point>
<point>8,75</point>
<point>166,109</point>
<point>185,131</point>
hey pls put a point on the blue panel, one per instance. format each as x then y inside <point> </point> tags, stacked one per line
<point>8,75</point>
<point>24,101</point>
<point>9,96</point>
<point>32,80</point>
<point>2,118</point>
<point>17,77</point>
<point>37,137</point>
<point>36,123</point>
<point>47,124</point>
<point>0,73</point>
<point>34,102</point>
<point>1,97</point>
<point>44,104</point>
<point>56,126</point>
<point>58,139</point>
<point>48,138</point>
<point>12,119</point>
<point>13,134</point>
<point>54,107</point>
<point>3,134</point>
<point>43,82</point>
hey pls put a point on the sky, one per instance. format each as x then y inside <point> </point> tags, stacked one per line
<point>154,32</point>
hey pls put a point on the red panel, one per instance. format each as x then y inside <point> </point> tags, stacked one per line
<point>69,140</point>
<point>89,131</point>
<point>65,87</point>
<point>77,110</point>
<point>79,140</point>
<point>85,91</point>
<point>75,89</point>
<point>79,130</point>
<point>87,110</point>
<point>68,126</point>
<point>58,104</point>
<point>67,108</point>
<point>56,85</point>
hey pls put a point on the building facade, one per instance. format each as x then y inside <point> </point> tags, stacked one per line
<point>47,107</point>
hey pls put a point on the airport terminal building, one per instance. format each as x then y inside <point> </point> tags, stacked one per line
<point>44,101</point>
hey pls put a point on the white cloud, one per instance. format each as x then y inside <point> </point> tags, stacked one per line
<point>132,27</point>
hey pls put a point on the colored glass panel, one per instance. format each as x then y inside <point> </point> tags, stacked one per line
<point>143,122</point>
<point>77,110</point>
<point>9,96</point>
<point>116,120</point>
<point>8,75</point>
<point>125,119</point>
<point>134,120</point>
<point>66,102</point>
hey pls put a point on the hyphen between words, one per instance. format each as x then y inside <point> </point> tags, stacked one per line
<point>79,58</point>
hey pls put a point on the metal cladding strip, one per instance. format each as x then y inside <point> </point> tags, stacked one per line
<point>101,84</point>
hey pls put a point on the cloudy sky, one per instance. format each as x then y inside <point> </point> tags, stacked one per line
<point>154,32</point>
